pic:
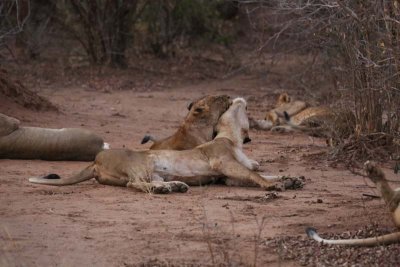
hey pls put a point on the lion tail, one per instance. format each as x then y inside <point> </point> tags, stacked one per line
<point>53,179</point>
<point>148,138</point>
<point>379,240</point>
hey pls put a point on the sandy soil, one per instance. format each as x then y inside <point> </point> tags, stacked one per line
<point>94,225</point>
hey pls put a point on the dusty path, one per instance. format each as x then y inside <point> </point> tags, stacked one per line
<point>95,225</point>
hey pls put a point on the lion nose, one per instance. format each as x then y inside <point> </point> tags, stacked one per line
<point>246,140</point>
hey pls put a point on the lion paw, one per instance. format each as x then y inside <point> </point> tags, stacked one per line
<point>280,129</point>
<point>162,189</point>
<point>273,187</point>
<point>287,183</point>
<point>292,183</point>
<point>180,187</point>
<point>254,165</point>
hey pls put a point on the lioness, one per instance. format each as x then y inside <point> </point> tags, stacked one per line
<point>158,170</point>
<point>198,126</point>
<point>294,115</point>
<point>48,144</point>
<point>321,121</point>
<point>275,116</point>
<point>392,200</point>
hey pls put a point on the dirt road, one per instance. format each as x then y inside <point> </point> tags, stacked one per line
<point>94,225</point>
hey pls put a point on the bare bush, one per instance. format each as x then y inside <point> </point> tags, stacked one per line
<point>33,39</point>
<point>358,45</point>
<point>13,16</point>
<point>103,28</point>
<point>173,23</point>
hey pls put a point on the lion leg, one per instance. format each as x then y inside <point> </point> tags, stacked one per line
<point>247,162</point>
<point>151,187</point>
<point>157,185</point>
<point>176,186</point>
<point>233,169</point>
<point>271,177</point>
<point>282,129</point>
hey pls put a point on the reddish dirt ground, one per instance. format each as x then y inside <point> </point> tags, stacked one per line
<point>95,225</point>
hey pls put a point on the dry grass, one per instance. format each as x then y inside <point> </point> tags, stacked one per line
<point>356,49</point>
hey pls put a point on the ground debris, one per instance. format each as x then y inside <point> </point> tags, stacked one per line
<point>307,252</point>
<point>288,183</point>
<point>267,197</point>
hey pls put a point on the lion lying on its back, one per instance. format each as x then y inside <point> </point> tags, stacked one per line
<point>48,144</point>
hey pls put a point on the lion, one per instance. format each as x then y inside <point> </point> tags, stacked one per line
<point>326,122</point>
<point>295,115</point>
<point>392,201</point>
<point>275,116</point>
<point>17,142</point>
<point>198,126</point>
<point>166,171</point>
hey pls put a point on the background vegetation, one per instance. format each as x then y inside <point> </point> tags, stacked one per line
<point>351,45</point>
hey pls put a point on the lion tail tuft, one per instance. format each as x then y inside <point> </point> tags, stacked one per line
<point>147,138</point>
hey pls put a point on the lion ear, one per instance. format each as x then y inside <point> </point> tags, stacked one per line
<point>284,98</point>
<point>189,107</point>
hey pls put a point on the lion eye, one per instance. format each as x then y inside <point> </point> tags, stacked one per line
<point>198,110</point>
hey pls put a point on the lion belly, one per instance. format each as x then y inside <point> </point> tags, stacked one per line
<point>187,163</point>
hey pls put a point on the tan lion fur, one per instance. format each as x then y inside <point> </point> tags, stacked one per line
<point>321,121</point>
<point>198,126</point>
<point>275,116</point>
<point>47,144</point>
<point>165,171</point>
